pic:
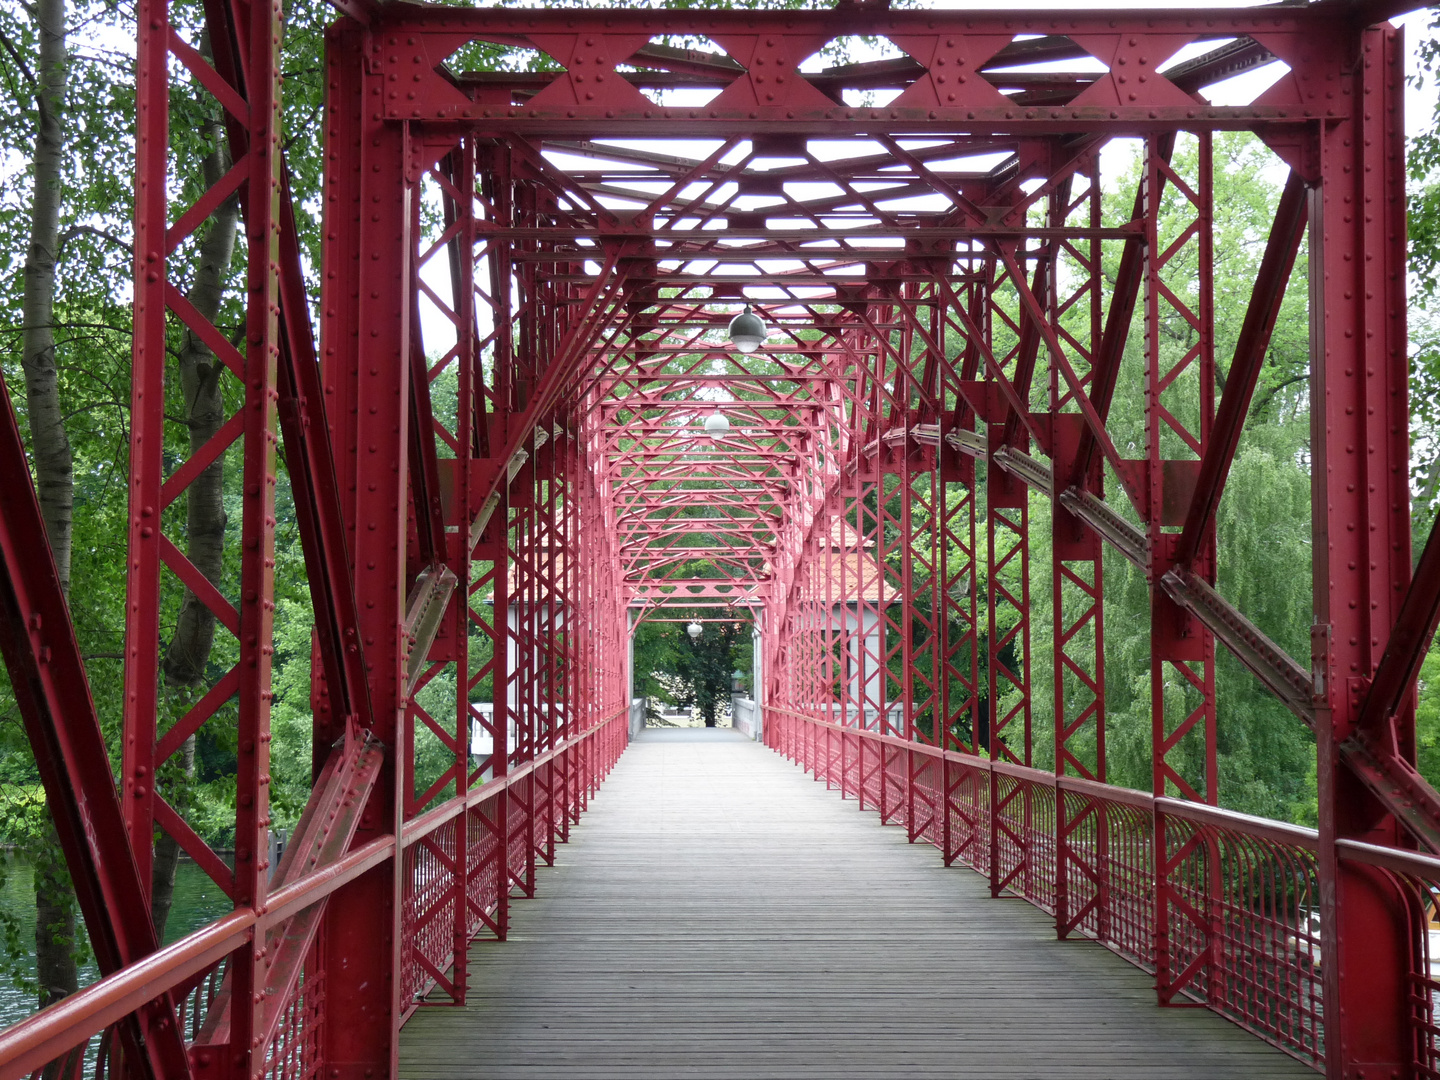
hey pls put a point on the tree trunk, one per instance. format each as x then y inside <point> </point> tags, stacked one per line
<point>54,469</point>
<point>188,654</point>
<point>55,927</point>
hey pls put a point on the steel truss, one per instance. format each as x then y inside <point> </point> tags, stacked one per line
<point>497,467</point>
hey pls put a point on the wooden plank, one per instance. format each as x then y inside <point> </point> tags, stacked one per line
<point>719,914</point>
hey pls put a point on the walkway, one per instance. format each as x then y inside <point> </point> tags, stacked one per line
<point>718,914</point>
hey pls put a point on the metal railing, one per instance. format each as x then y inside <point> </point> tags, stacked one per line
<point>1225,917</point>
<point>512,821</point>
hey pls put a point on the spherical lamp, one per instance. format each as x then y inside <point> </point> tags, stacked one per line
<point>717,425</point>
<point>747,331</point>
<point>694,630</point>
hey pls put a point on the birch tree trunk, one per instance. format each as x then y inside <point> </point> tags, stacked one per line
<point>54,469</point>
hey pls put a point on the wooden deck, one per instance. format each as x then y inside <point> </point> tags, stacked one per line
<point>718,914</point>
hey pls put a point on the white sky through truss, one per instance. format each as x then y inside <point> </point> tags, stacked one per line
<point>1116,158</point>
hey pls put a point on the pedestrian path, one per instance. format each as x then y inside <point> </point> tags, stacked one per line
<point>718,914</point>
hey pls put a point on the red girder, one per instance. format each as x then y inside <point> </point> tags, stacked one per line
<point>47,677</point>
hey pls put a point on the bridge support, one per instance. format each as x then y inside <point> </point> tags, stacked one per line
<point>1361,507</point>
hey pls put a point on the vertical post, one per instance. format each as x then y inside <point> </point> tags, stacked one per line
<point>147,433</point>
<point>959,649</point>
<point>1182,651</point>
<point>1007,600</point>
<point>365,305</point>
<point>467,359</point>
<point>1077,580</point>
<point>500,698</point>
<point>1360,507</point>
<point>257,526</point>
<point>959,622</point>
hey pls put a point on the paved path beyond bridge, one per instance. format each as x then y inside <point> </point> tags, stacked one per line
<point>718,914</point>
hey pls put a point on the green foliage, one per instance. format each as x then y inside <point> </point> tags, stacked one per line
<point>25,823</point>
<point>1423,221</point>
<point>1423,164</point>
<point>670,666</point>
<point>656,651</point>
<point>14,949</point>
<point>703,667</point>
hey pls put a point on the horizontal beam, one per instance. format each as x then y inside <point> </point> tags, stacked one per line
<point>720,240</point>
<point>1398,786</point>
<point>1275,669</point>
<point>1269,663</point>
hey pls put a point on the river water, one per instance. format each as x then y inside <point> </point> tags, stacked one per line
<point>198,901</point>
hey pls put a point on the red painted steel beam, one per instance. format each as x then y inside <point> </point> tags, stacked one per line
<point>1397,786</point>
<point>318,842</point>
<point>1034,308</point>
<point>1110,352</point>
<point>1360,467</point>
<point>1281,675</point>
<point>1031,335</point>
<point>52,692</point>
<point>315,489</point>
<point>30,1044</point>
<point>362,11</point>
<point>1392,687</point>
<point>424,461</point>
<point>1286,233</point>
<point>562,368</point>
<point>365,369</point>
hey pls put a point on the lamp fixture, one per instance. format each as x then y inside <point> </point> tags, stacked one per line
<point>694,630</point>
<point>747,331</point>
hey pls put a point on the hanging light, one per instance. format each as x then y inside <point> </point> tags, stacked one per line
<point>717,425</point>
<point>747,331</point>
<point>694,630</point>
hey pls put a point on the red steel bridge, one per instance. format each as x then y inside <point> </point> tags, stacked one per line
<point>493,443</point>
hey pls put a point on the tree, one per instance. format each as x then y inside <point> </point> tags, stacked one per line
<point>54,464</point>
<point>69,212</point>
<point>704,667</point>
